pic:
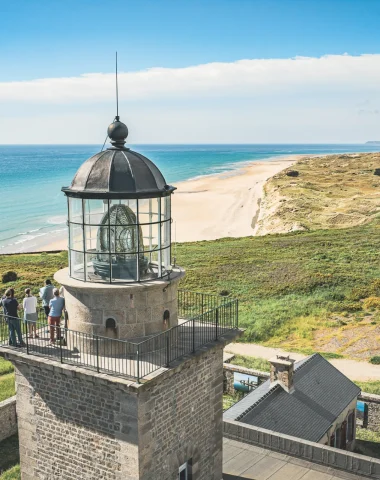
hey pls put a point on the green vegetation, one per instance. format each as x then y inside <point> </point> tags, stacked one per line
<point>5,366</point>
<point>32,270</point>
<point>302,291</point>
<point>367,442</point>
<point>229,400</point>
<point>7,380</point>
<point>255,363</point>
<point>375,360</point>
<point>370,387</point>
<point>7,386</point>
<point>9,458</point>
<point>12,474</point>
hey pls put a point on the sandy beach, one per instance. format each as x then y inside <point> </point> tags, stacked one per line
<point>215,206</point>
<point>225,205</point>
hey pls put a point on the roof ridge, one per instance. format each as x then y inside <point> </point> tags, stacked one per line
<point>272,388</point>
<point>306,360</point>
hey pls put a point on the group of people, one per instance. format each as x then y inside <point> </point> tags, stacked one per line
<point>53,303</point>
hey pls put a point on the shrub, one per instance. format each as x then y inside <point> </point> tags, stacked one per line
<point>375,360</point>
<point>372,302</point>
<point>9,277</point>
<point>358,293</point>
<point>345,307</point>
<point>224,293</point>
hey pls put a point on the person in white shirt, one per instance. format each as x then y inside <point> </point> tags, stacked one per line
<point>30,312</point>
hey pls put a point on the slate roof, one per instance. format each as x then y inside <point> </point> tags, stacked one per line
<point>321,393</point>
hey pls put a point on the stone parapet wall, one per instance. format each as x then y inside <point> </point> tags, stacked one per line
<point>372,422</point>
<point>8,418</point>
<point>364,466</point>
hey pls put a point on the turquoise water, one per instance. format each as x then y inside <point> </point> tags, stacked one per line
<point>33,208</point>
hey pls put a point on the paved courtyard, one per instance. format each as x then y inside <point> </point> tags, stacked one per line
<point>242,462</point>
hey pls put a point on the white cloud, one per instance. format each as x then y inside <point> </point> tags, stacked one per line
<point>243,77</point>
<point>334,98</point>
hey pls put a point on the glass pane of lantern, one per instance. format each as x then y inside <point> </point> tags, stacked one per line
<point>75,210</point>
<point>76,236</point>
<point>98,267</point>
<point>90,274</point>
<point>166,201</point>
<point>124,267</point>
<point>102,238</point>
<point>166,261</point>
<point>150,236</point>
<point>165,234</point>
<point>94,211</point>
<point>123,212</point>
<point>77,265</point>
<point>153,257</point>
<point>148,210</point>
<point>91,238</point>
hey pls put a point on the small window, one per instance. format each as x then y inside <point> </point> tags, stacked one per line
<point>167,318</point>
<point>350,427</point>
<point>110,323</point>
<point>185,471</point>
<point>337,438</point>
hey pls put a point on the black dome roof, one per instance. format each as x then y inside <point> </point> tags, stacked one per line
<point>118,172</point>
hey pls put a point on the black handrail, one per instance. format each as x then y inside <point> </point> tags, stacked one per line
<point>209,318</point>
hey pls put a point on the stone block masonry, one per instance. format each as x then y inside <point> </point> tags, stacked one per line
<point>372,422</point>
<point>180,419</point>
<point>8,418</point>
<point>79,425</point>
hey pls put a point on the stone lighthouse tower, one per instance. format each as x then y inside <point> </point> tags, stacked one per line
<point>133,391</point>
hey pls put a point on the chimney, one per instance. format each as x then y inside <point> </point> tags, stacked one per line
<point>281,371</point>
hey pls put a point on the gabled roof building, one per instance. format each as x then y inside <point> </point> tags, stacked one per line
<point>309,399</point>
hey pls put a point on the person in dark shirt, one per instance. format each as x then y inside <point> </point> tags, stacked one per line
<point>1,304</point>
<point>11,306</point>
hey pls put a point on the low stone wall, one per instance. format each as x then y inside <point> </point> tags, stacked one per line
<point>228,376</point>
<point>372,422</point>
<point>8,418</point>
<point>367,467</point>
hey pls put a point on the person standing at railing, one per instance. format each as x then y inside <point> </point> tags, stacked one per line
<point>56,304</point>
<point>30,313</point>
<point>11,307</point>
<point>46,294</point>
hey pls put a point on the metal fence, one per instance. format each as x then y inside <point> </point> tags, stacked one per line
<point>209,318</point>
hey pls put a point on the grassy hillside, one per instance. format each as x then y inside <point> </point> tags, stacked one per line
<point>311,291</point>
<point>337,191</point>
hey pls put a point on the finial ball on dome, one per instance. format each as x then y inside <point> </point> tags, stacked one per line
<point>117,133</point>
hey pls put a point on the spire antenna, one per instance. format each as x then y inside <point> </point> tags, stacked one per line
<point>117,94</point>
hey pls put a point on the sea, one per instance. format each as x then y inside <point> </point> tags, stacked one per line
<point>33,208</point>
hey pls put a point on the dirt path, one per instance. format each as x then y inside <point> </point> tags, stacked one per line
<point>361,371</point>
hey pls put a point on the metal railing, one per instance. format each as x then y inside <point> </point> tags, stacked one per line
<point>210,318</point>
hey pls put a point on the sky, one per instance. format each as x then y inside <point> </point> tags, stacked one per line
<point>190,71</point>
